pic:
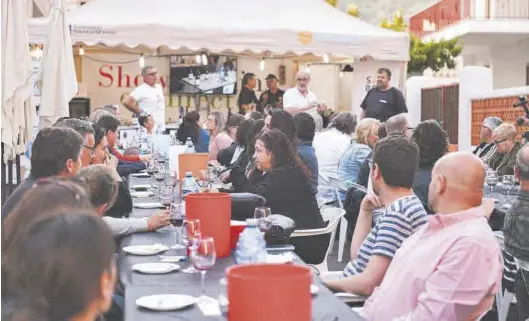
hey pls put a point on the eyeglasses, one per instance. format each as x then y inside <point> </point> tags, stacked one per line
<point>64,184</point>
<point>497,142</point>
<point>91,148</point>
<point>302,79</point>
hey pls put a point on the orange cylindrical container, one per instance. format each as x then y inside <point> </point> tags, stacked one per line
<point>214,212</point>
<point>264,292</point>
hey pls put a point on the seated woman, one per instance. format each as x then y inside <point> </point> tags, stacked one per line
<point>59,265</point>
<point>228,156</point>
<point>225,155</point>
<point>433,144</point>
<point>103,188</point>
<point>122,206</point>
<point>504,160</point>
<point>191,127</point>
<point>286,187</point>
<point>364,140</point>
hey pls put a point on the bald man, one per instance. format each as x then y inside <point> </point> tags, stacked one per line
<point>451,268</point>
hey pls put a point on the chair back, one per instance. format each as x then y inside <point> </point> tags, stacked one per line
<point>192,162</point>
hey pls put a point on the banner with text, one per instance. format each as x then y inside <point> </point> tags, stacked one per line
<point>365,78</point>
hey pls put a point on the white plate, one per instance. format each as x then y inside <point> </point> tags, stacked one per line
<point>145,249</point>
<point>140,175</point>
<point>166,302</point>
<point>141,186</point>
<point>149,205</point>
<point>142,194</point>
<point>281,258</point>
<point>155,268</point>
<point>314,289</point>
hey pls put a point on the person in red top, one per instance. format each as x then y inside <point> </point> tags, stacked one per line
<point>110,125</point>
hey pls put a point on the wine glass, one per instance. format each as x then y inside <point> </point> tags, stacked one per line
<point>203,179</point>
<point>491,179</point>
<point>159,175</point>
<point>508,183</point>
<point>177,217</point>
<point>192,228</point>
<point>166,196</point>
<point>204,258</point>
<point>211,175</point>
<point>262,215</point>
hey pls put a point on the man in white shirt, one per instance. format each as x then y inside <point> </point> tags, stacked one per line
<point>148,98</point>
<point>301,99</point>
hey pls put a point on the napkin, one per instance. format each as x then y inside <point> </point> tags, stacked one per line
<point>209,306</point>
<point>149,205</point>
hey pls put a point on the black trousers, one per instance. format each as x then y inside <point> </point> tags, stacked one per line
<point>521,289</point>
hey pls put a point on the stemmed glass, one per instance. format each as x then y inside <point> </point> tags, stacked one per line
<point>166,196</point>
<point>159,175</point>
<point>491,179</point>
<point>204,258</point>
<point>177,217</point>
<point>262,215</point>
<point>508,183</point>
<point>193,235</point>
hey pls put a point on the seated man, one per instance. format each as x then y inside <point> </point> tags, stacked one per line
<point>146,122</point>
<point>486,148</point>
<point>504,160</point>
<point>395,160</point>
<point>450,269</point>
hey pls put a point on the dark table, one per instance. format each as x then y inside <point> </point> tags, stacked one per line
<point>325,306</point>
<point>498,216</point>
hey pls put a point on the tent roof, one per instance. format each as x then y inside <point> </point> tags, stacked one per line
<point>276,26</point>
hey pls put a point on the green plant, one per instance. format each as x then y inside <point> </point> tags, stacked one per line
<point>423,55</point>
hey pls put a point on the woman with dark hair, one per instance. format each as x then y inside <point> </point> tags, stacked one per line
<point>227,136</point>
<point>229,155</point>
<point>191,127</point>
<point>286,187</point>
<point>58,266</point>
<point>283,121</point>
<point>432,140</point>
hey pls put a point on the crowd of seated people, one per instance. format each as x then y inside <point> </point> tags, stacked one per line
<point>432,245</point>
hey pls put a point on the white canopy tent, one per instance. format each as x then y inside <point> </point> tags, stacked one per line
<point>276,27</point>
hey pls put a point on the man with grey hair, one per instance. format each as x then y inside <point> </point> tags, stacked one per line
<point>148,98</point>
<point>486,149</point>
<point>86,131</point>
<point>399,124</point>
<point>301,99</point>
<point>516,233</point>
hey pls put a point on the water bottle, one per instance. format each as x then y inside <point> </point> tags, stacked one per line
<point>190,146</point>
<point>189,185</point>
<point>251,247</point>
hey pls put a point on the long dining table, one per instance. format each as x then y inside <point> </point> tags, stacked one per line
<point>325,305</point>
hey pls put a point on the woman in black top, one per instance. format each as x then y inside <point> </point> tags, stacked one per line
<point>244,163</point>
<point>286,187</point>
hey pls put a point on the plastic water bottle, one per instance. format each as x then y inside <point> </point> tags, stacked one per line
<point>251,247</point>
<point>189,185</point>
<point>190,146</point>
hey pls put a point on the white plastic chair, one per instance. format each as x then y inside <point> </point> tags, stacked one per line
<point>333,216</point>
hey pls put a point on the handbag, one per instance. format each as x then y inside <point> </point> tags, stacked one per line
<point>243,205</point>
<point>280,230</point>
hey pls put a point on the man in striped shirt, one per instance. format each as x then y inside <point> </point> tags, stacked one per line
<point>395,160</point>
<point>486,148</point>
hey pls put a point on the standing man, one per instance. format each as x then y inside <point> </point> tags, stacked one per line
<point>486,149</point>
<point>247,96</point>
<point>383,101</point>
<point>273,97</point>
<point>148,97</point>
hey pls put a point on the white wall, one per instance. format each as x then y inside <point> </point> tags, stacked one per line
<point>509,65</point>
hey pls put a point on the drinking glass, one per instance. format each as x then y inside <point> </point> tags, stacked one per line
<point>204,258</point>
<point>166,196</point>
<point>193,234</point>
<point>491,179</point>
<point>159,175</point>
<point>203,179</point>
<point>177,218</point>
<point>211,176</point>
<point>223,295</point>
<point>508,183</point>
<point>262,215</point>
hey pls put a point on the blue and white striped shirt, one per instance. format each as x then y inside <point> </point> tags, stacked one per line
<point>400,220</point>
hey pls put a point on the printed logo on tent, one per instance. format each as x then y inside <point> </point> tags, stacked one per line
<point>305,37</point>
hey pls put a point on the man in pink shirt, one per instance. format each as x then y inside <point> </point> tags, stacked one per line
<point>450,269</point>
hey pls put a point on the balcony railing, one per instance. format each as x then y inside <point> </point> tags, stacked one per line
<point>448,12</point>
